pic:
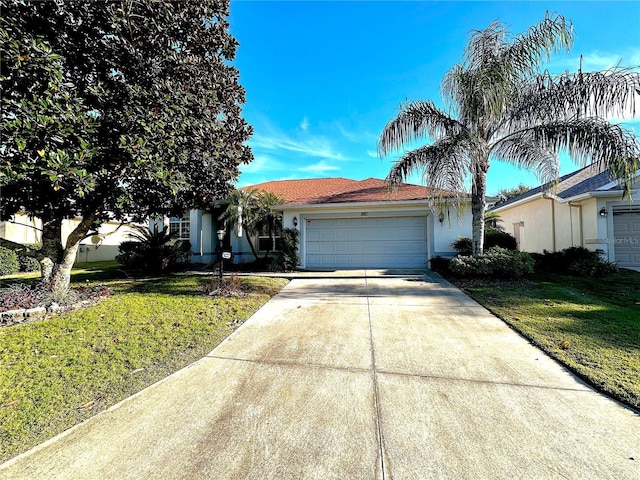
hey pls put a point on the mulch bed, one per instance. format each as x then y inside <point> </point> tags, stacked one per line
<point>22,296</point>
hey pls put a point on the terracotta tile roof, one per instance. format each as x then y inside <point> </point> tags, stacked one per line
<point>340,190</point>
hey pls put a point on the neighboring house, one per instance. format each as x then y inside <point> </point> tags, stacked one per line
<point>102,246</point>
<point>585,208</point>
<point>343,224</point>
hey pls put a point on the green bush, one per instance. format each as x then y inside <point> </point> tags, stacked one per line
<point>492,238</point>
<point>153,252</point>
<point>577,261</point>
<point>497,262</point>
<point>496,238</point>
<point>287,259</point>
<point>28,264</point>
<point>8,261</point>
<point>462,246</point>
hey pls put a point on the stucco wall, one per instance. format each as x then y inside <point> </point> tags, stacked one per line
<point>23,230</point>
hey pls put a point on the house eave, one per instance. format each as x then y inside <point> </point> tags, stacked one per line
<point>518,202</point>
<point>355,205</point>
<point>596,194</point>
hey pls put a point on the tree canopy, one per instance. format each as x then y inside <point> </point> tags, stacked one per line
<point>116,110</point>
<point>501,105</point>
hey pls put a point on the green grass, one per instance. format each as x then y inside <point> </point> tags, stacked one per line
<point>592,325</point>
<point>61,371</point>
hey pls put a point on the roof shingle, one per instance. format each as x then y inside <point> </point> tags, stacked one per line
<point>340,190</point>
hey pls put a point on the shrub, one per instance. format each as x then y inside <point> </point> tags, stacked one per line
<point>577,261</point>
<point>8,261</point>
<point>496,238</point>
<point>28,264</point>
<point>497,262</point>
<point>154,251</point>
<point>462,246</point>
<point>287,259</point>
<point>492,238</point>
<point>440,265</point>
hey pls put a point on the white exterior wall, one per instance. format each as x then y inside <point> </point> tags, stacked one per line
<point>439,236</point>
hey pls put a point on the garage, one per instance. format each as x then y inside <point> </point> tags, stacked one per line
<point>366,242</point>
<point>626,231</point>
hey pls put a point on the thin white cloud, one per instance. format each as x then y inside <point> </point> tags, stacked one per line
<point>372,153</point>
<point>263,163</point>
<point>359,137</point>
<point>320,167</point>
<point>313,146</point>
<point>305,124</point>
<point>595,61</point>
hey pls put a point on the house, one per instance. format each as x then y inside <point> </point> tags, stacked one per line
<point>343,223</point>
<point>585,208</point>
<point>102,246</point>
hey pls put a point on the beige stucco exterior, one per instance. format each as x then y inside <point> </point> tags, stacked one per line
<point>546,222</point>
<point>103,246</point>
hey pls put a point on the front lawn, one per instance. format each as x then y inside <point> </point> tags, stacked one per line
<point>592,325</point>
<point>58,372</point>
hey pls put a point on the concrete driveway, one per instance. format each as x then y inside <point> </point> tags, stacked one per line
<point>356,375</point>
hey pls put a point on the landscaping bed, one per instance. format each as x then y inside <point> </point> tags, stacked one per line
<point>591,325</point>
<point>60,371</point>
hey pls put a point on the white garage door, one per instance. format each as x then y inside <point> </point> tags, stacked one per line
<point>626,230</point>
<point>366,242</point>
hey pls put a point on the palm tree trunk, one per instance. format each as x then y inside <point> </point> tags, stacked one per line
<point>248,235</point>
<point>478,205</point>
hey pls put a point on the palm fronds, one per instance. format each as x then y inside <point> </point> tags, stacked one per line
<point>416,120</point>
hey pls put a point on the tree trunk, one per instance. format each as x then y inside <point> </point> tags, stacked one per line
<point>478,205</point>
<point>60,276</point>
<point>248,235</point>
<point>57,261</point>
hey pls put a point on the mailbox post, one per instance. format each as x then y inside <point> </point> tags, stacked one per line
<point>221,234</point>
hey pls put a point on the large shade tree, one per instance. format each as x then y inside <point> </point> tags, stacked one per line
<point>500,105</point>
<point>114,110</point>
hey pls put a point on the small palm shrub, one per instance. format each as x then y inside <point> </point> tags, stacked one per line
<point>496,262</point>
<point>153,251</point>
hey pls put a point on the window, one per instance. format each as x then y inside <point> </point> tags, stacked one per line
<point>265,242</point>
<point>180,227</point>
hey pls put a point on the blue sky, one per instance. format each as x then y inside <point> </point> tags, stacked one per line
<point>323,78</point>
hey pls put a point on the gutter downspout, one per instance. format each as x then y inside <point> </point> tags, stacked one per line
<point>553,220</point>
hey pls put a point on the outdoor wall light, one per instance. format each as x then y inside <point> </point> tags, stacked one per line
<point>441,217</point>
<point>603,212</point>
<point>221,234</point>
<point>295,222</point>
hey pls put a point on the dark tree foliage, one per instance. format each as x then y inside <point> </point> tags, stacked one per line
<point>505,194</point>
<point>115,110</point>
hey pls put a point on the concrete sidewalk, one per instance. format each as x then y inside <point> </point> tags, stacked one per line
<point>356,376</point>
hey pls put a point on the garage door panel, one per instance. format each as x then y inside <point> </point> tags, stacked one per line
<point>371,242</point>
<point>626,230</point>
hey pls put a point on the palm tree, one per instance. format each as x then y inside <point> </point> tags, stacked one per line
<point>501,106</point>
<point>253,209</point>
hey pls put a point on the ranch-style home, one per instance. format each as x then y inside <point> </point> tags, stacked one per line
<point>585,208</point>
<point>343,223</point>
